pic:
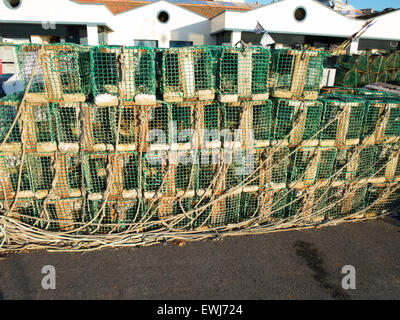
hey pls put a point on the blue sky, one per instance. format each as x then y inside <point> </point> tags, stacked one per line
<point>375,4</point>
<point>359,4</point>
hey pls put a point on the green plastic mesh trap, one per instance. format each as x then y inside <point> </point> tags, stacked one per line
<point>296,73</point>
<point>311,164</point>
<point>38,132</point>
<point>381,123</point>
<point>187,74</point>
<point>272,164</point>
<point>62,71</point>
<point>296,122</point>
<point>125,73</point>
<point>382,197</point>
<point>243,73</point>
<point>247,124</point>
<point>342,120</point>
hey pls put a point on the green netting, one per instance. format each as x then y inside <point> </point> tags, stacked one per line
<point>62,71</point>
<point>187,73</point>
<point>348,78</point>
<point>396,77</point>
<point>345,201</point>
<point>273,163</point>
<point>8,111</point>
<point>381,77</point>
<point>378,64</point>
<point>393,61</point>
<point>381,122</point>
<point>379,201</point>
<point>360,70</point>
<point>311,164</point>
<point>269,206</point>
<point>243,73</point>
<point>342,120</point>
<point>247,124</point>
<point>296,120</point>
<point>127,73</point>
<point>356,162</point>
<point>296,73</point>
<point>35,126</point>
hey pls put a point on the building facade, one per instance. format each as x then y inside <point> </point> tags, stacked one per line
<point>175,23</point>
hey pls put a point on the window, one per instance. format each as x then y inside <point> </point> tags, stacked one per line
<point>146,43</point>
<point>300,14</point>
<point>180,44</point>
<point>163,16</point>
<point>13,4</point>
<point>103,34</point>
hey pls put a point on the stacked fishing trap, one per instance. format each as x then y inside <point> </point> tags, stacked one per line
<point>360,70</point>
<point>127,146</point>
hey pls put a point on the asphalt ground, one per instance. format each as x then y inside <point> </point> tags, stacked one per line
<point>303,264</point>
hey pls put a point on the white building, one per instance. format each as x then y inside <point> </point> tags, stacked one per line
<point>343,7</point>
<point>166,23</point>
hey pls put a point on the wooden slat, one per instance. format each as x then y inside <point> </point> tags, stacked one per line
<point>246,125</point>
<point>127,71</point>
<point>392,164</point>
<point>265,170</point>
<point>60,184</point>
<point>299,73</point>
<point>199,122</point>
<point>142,128</point>
<point>348,199</point>
<point>312,167</point>
<point>343,126</point>
<point>52,80</point>
<point>308,202</point>
<point>28,127</point>
<point>245,69</point>
<point>64,211</point>
<point>267,199</point>
<point>300,112</point>
<point>186,72</point>
<point>352,167</point>
<point>87,123</point>
<point>382,123</point>
<point>166,203</point>
<point>6,185</point>
<point>117,178</point>
<point>218,209</point>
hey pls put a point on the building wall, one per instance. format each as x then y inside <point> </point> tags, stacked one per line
<point>365,44</point>
<point>279,18</point>
<point>386,26</point>
<point>140,23</point>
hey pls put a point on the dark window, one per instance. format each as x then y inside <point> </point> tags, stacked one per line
<point>300,14</point>
<point>13,4</point>
<point>163,16</point>
<point>179,44</point>
<point>146,43</point>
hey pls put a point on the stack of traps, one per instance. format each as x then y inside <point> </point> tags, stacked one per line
<point>262,143</point>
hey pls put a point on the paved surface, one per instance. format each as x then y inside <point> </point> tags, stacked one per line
<point>287,265</point>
